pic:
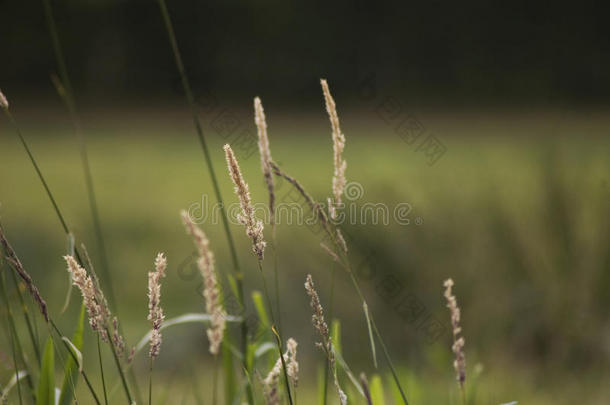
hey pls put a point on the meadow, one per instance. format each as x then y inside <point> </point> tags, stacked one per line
<point>515,212</point>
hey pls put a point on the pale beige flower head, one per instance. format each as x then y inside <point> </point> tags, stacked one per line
<point>254,227</point>
<point>96,310</point>
<point>3,101</point>
<point>458,341</point>
<point>265,152</point>
<point>155,311</point>
<point>271,382</point>
<point>320,325</point>
<point>211,289</point>
<point>340,164</point>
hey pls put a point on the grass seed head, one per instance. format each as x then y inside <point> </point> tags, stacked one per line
<point>254,227</point>
<point>13,260</point>
<point>155,311</point>
<point>211,289</point>
<point>96,311</point>
<point>458,342</point>
<point>265,152</point>
<point>338,146</point>
<point>3,101</point>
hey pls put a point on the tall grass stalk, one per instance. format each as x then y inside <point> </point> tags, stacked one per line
<point>330,317</point>
<point>150,372</point>
<point>99,355</point>
<point>15,366</point>
<point>11,339</point>
<point>53,327</point>
<point>65,91</point>
<point>119,367</point>
<point>15,336</point>
<point>275,331</point>
<point>198,127</point>
<point>208,160</point>
<point>13,122</point>
<point>82,372</point>
<point>27,318</point>
<point>331,229</point>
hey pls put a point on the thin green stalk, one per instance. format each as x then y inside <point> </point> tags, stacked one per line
<point>330,317</point>
<point>275,332</point>
<point>276,276</point>
<point>99,355</point>
<point>28,320</point>
<point>38,172</point>
<point>15,365</point>
<point>10,336</point>
<point>191,101</point>
<point>67,96</point>
<point>13,330</point>
<point>150,369</point>
<point>62,361</point>
<point>56,329</point>
<point>324,220</point>
<point>208,160</point>
<point>380,339</point>
<point>214,380</point>
<point>120,369</point>
<point>82,372</point>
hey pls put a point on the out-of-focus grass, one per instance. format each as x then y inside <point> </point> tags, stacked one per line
<point>516,211</point>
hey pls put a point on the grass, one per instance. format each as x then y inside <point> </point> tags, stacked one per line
<point>491,209</point>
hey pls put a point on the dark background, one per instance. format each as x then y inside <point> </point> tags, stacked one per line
<point>435,52</point>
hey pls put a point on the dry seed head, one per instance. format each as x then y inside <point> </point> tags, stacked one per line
<point>199,238</point>
<point>263,147</point>
<point>211,291</point>
<point>338,146</point>
<point>3,101</point>
<point>458,342</point>
<point>320,325</point>
<point>117,339</point>
<point>14,261</point>
<point>292,368</point>
<point>292,365</point>
<point>155,312</point>
<point>318,313</point>
<point>341,241</point>
<point>95,309</point>
<point>254,227</point>
<point>330,252</point>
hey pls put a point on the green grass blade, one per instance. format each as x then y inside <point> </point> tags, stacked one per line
<point>336,335</point>
<point>365,307</point>
<point>18,376</point>
<point>46,383</point>
<point>261,311</point>
<point>180,320</point>
<point>376,386</point>
<point>71,368</point>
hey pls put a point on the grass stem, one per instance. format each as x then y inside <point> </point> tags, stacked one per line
<point>65,91</point>
<point>275,331</point>
<point>150,370</point>
<point>28,320</point>
<point>15,336</point>
<point>82,372</point>
<point>99,355</point>
<point>208,160</point>
<point>117,361</point>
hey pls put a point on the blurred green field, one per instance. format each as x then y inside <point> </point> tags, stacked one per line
<point>517,212</point>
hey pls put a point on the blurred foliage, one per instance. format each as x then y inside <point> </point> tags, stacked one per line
<point>516,212</point>
<point>469,52</point>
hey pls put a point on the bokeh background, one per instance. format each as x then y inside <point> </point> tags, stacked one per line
<point>516,208</point>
